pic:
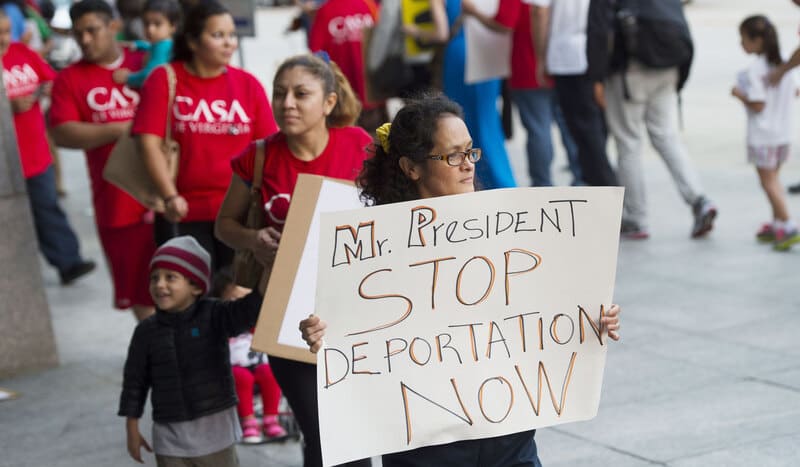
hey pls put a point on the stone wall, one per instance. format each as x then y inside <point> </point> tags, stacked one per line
<point>26,333</point>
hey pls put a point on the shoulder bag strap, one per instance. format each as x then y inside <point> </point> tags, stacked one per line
<point>258,168</point>
<point>172,83</point>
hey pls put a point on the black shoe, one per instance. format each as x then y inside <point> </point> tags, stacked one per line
<point>79,270</point>
<point>794,189</point>
<point>632,231</point>
<point>704,214</point>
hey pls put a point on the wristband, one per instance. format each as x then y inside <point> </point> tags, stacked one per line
<point>170,198</point>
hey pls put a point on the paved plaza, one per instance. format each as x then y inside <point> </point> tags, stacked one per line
<point>708,369</point>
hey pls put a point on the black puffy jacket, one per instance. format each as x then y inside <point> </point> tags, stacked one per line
<point>185,359</point>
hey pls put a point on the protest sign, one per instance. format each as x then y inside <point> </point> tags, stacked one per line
<point>463,317</point>
<point>290,293</point>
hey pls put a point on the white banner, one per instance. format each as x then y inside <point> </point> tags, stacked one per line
<point>463,317</point>
<point>488,54</point>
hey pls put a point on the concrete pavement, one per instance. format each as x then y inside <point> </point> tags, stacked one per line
<point>707,373</point>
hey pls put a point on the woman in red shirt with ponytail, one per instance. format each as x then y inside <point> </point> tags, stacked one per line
<point>315,108</point>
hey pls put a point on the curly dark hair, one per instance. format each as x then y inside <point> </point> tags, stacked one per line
<point>382,181</point>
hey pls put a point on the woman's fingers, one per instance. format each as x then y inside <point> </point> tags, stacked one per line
<point>313,330</point>
<point>314,341</point>
<point>274,234</point>
<point>176,209</point>
<point>308,322</point>
<point>610,322</point>
<point>269,237</point>
<point>266,248</point>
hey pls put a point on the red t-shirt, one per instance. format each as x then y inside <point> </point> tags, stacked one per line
<point>23,72</point>
<point>213,120</point>
<point>337,30</point>
<point>85,92</point>
<point>515,14</point>
<point>342,158</point>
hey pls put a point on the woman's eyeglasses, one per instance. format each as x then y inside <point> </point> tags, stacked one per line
<point>457,158</point>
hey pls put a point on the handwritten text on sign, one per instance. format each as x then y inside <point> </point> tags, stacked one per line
<point>463,317</point>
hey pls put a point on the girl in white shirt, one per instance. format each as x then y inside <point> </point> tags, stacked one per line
<point>769,124</point>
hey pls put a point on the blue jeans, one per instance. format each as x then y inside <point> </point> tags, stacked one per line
<point>570,147</point>
<point>587,126</point>
<point>538,109</point>
<point>57,241</point>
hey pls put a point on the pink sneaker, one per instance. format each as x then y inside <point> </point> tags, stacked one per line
<point>251,431</point>
<point>766,234</point>
<point>273,429</point>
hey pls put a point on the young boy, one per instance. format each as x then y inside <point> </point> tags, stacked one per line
<point>182,353</point>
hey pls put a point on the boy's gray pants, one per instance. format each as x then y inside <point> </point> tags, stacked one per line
<point>225,458</point>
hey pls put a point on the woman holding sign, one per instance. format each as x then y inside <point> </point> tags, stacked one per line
<point>315,108</point>
<point>427,152</point>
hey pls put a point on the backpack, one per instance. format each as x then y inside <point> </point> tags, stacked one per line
<point>655,33</point>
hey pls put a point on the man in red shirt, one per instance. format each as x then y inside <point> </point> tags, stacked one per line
<point>26,76</point>
<point>90,111</point>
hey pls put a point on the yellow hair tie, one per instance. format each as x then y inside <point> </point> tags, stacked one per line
<point>383,136</point>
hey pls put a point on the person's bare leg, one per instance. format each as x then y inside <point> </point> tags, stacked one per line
<point>775,193</point>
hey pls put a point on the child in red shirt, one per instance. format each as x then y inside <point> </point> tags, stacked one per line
<point>315,108</point>
<point>26,76</point>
